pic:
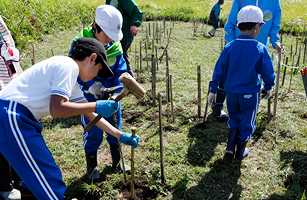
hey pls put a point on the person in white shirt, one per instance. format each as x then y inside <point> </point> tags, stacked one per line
<point>50,88</point>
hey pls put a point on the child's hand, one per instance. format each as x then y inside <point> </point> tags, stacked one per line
<point>106,108</point>
<point>211,98</point>
<point>128,139</point>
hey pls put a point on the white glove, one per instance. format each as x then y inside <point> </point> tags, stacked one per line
<point>266,94</point>
<point>211,98</point>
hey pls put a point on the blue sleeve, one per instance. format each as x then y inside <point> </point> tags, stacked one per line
<point>219,73</point>
<point>266,70</point>
<point>274,32</point>
<point>231,24</point>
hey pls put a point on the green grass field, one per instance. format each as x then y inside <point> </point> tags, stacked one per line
<point>294,17</point>
<point>275,170</point>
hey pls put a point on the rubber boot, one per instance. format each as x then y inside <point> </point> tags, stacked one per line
<point>231,145</point>
<point>242,151</point>
<point>92,172</point>
<point>217,108</point>
<point>116,164</point>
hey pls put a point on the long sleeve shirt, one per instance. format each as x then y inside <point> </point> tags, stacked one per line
<point>239,66</point>
<point>272,17</point>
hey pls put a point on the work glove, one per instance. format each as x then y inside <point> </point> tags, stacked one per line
<point>211,98</point>
<point>106,108</point>
<point>128,139</point>
<point>266,94</point>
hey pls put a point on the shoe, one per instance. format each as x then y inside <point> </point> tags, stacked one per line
<point>92,172</point>
<point>119,168</point>
<point>242,152</point>
<point>231,145</point>
<point>93,175</point>
<point>222,117</point>
<point>14,194</point>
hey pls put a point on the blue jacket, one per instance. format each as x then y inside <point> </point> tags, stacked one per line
<point>269,29</point>
<point>239,66</point>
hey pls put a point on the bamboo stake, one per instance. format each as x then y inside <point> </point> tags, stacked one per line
<point>161,140</point>
<point>199,91</point>
<point>171,97</point>
<point>133,130</point>
<point>153,79</point>
<point>285,70</point>
<point>277,85</point>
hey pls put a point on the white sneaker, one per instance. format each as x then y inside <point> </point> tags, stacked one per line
<point>14,194</point>
<point>93,175</point>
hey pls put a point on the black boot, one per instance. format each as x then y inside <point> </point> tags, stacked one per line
<point>92,172</point>
<point>242,151</point>
<point>116,164</point>
<point>231,145</point>
<point>217,108</point>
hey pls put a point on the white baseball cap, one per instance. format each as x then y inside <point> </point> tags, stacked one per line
<point>250,14</point>
<point>110,20</point>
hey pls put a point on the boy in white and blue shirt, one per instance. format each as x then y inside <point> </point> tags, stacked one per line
<point>238,70</point>
<point>50,87</point>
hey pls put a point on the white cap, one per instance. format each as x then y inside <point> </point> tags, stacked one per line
<point>250,14</point>
<point>110,20</point>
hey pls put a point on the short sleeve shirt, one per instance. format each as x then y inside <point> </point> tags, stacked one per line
<point>33,88</point>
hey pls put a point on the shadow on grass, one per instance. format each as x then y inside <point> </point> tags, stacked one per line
<point>82,189</point>
<point>262,123</point>
<point>221,182</point>
<point>296,182</point>
<point>203,140</point>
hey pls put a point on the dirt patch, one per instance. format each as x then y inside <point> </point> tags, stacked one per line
<point>132,117</point>
<point>142,191</point>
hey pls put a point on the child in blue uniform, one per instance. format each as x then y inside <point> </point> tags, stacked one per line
<point>50,88</point>
<point>237,70</point>
<point>214,17</point>
<point>102,87</point>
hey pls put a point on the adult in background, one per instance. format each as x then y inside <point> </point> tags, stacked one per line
<point>272,17</point>
<point>9,68</point>
<point>132,19</point>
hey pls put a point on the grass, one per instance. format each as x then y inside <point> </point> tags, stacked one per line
<point>194,170</point>
<point>294,15</point>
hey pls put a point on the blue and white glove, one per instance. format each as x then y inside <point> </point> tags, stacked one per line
<point>128,139</point>
<point>106,108</point>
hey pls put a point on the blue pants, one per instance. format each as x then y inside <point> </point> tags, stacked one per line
<point>242,110</point>
<point>93,138</point>
<point>23,146</point>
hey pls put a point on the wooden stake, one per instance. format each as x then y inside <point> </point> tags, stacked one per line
<point>171,97</point>
<point>198,91</point>
<point>33,54</point>
<point>161,140</point>
<point>133,130</point>
<point>153,79</point>
<point>166,77</point>
<point>140,61</point>
<point>277,85</point>
<point>285,71</point>
<point>156,55</point>
<point>146,53</point>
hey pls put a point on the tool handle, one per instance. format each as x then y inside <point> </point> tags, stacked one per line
<point>133,131</point>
